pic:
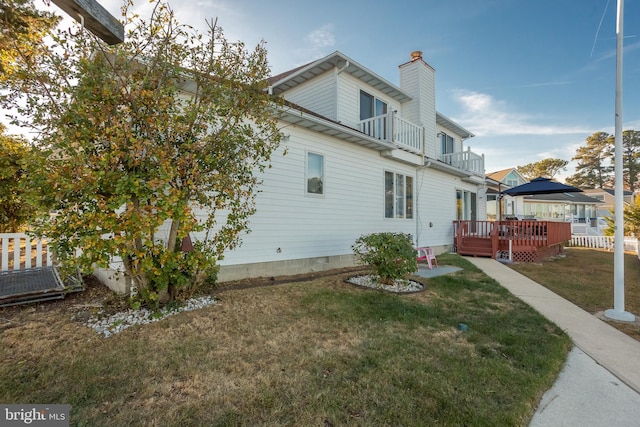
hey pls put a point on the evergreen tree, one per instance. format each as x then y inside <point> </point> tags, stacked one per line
<point>547,168</point>
<point>593,169</point>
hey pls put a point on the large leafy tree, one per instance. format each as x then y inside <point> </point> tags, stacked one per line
<point>547,168</point>
<point>22,29</point>
<point>593,169</point>
<point>15,154</point>
<point>148,142</point>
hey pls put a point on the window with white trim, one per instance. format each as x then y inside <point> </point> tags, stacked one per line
<point>398,195</point>
<point>315,174</point>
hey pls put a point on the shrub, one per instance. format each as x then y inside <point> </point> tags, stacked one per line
<point>391,256</point>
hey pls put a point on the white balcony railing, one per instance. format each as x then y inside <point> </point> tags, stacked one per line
<point>394,129</point>
<point>408,136</point>
<point>465,160</point>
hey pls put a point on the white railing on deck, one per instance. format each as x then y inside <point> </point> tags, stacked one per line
<point>375,127</point>
<point>394,129</point>
<point>19,251</point>
<point>465,160</point>
<point>407,134</point>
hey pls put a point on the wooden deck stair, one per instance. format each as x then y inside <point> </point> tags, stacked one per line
<point>476,246</point>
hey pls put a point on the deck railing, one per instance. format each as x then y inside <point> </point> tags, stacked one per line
<point>392,128</point>
<point>19,251</point>
<point>519,233</point>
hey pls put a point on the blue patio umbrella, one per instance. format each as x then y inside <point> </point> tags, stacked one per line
<point>541,186</point>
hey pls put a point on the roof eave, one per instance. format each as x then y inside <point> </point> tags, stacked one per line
<point>346,64</point>
<point>325,126</point>
<point>449,124</point>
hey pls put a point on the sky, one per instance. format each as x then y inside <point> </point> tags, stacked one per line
<point>531,79</point>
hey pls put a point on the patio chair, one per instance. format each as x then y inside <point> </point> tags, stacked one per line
<point>427,254</point>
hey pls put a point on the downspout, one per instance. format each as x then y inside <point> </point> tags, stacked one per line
<point>425,165</point>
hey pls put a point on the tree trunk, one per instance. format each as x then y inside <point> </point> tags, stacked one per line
<point>173,247</point>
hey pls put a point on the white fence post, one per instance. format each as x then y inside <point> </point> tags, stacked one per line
<point>604,242</point>
<point>14,241</point>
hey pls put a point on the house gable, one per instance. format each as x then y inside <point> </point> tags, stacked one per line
<point>510,177</point>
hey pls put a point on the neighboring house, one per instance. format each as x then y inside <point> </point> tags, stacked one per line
<point>505,179</point>
<point>607,197</point>
<point>574,207</point>
<point>360,155</point>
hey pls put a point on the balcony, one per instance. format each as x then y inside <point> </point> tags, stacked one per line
<point>408,136</point>
<point>394,129</point>
<point>465,160</point>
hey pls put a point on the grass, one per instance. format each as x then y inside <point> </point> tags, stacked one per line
<point>585,277</point>
<point>319,352</point>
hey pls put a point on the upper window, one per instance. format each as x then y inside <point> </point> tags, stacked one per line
<point>398,196</point>
<point>447,143</point>
<point>370,106</point>
<point>373,119</point>
<point>315,173</point>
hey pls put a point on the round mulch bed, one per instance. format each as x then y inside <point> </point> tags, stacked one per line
<point>399,286</point>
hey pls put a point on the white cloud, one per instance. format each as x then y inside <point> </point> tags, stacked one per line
<point>490,117</point>
<point>321,37</point>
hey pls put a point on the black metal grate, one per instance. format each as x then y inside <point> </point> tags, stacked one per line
<point>36,284</point>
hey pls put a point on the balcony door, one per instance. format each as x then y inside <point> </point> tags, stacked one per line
<point>446,144</point>
<point>371,107</point>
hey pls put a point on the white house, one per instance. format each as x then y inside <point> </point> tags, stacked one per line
<point>360,155</point>
<point>504,179</point>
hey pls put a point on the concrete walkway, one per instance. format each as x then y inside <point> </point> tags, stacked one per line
<point>579,392</point>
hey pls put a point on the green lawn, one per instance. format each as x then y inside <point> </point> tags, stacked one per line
<point>585,277</point>
<point>313,353</point>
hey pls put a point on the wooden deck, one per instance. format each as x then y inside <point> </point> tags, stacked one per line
<point>530,241</point>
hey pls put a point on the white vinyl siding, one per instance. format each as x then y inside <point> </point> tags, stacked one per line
<point>419,81</point>
<point>317,95</point>
<point>290,225</point>
<point>436,206</point>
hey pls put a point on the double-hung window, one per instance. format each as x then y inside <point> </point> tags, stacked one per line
<point>398,195</point>
<point>315,174</point>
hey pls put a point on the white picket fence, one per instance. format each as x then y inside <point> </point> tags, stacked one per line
<point>603,242</point>
<point>19,251</point>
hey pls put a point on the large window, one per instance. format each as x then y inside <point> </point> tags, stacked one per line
<point>315,174</point>
<point>398,195</point>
